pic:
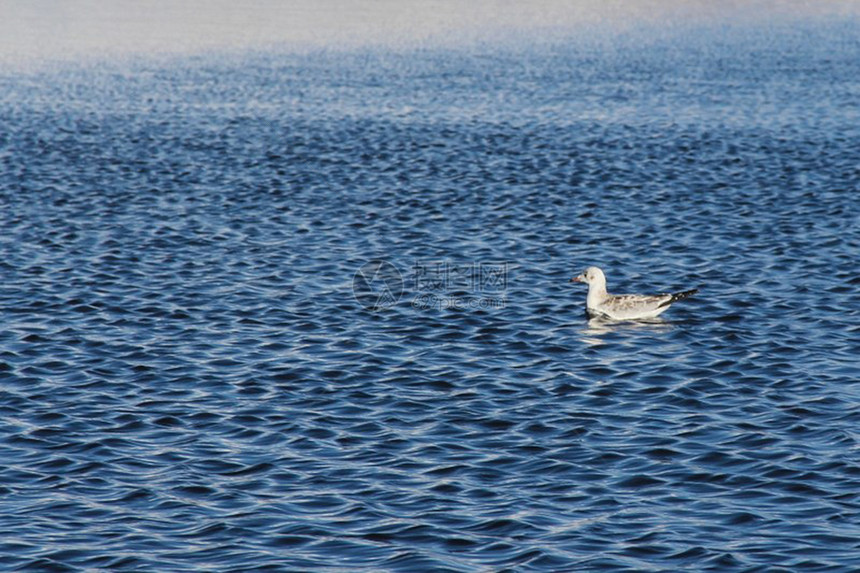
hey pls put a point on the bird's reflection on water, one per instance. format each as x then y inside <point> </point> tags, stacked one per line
<point>598,328</point>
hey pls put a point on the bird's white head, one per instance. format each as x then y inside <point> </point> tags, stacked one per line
<point>591,275</point>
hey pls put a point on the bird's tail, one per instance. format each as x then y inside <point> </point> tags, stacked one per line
<point>680,296</point>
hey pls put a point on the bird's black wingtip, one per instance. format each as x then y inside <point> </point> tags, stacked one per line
<point>680,296</point>
<point>684,294</point>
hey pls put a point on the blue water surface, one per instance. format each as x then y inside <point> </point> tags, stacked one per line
<point>276,311</point>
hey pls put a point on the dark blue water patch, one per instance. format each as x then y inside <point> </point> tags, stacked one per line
<point>188,382</point>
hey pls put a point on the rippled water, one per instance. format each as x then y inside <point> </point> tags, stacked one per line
<point>199,370</point>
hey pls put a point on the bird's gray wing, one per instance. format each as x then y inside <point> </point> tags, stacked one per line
<point>630,303</point>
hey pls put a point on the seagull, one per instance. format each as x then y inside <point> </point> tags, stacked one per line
<point>600,303</point>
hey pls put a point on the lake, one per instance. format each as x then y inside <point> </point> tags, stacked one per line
<point>280,308</point>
